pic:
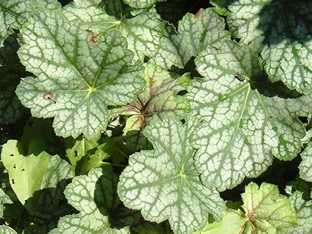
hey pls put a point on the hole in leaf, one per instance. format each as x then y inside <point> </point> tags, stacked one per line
<point>13,182</point>
<point>23,169</point>
<point>14,166</point>
<point>303,119</point>
<point>76,153</point>
<point>12,155</point>
<point>182,92</point>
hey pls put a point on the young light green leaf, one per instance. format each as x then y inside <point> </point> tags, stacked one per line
<point>242,129</point>
<point>285,42</point>
<point>232,222</point>
<point>25,173</point>
<point>142,3</point>
<point>164,184</point>
<point>77,78</point>
<point>93,195</point>
<point>14,13</point>
<point>305,167</point>
<point>11,72</point>
<point>48,204</point>
<point>197,31</point>
<point>221,6</point>
<point>266,211</point>
<point>159,99</point>
<point>304,214</point>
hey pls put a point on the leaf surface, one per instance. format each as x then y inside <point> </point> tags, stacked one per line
<point>164,184</point>
<point>77,79</point>
<point>281,31</point>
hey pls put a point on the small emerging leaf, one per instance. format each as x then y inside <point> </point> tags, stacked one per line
<point>25,173</point>
<point>159,99</point>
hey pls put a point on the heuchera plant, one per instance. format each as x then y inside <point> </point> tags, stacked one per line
<point>155,116</point>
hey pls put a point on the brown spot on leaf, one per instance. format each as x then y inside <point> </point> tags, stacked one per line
<point>92,39</point>
<point>48,96</point>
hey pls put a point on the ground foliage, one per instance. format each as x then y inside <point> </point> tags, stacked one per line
<point>155,116</point>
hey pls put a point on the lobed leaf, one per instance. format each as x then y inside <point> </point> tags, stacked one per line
<point>77,79</point>
<point>242,129</point>
<point>164,184</point>
<point>25,173</point>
